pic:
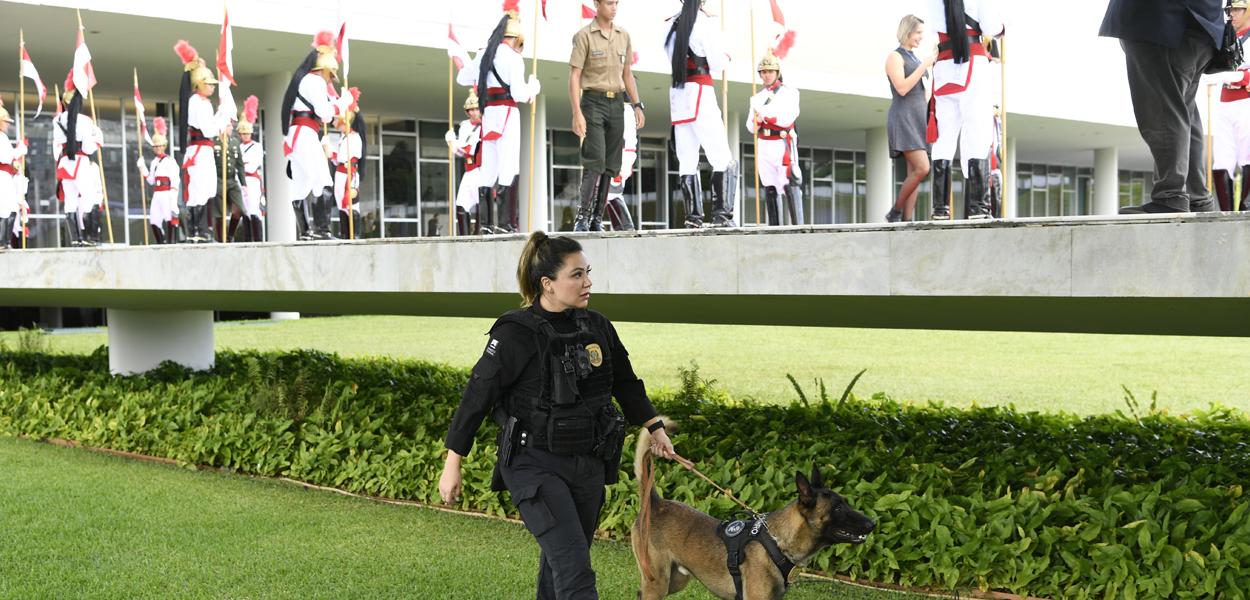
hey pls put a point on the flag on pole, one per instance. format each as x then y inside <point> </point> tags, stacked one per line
<point>455,51</point>
<point>140,115</point>
<point>28,70</point>
<point>341,47</point>
<point>83,74</point>
<point>587,11</point>
<point>225,50</point>
<point>785,37</point>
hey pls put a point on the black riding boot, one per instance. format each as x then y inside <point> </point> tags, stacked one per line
<point>1245,186</point>
<point>485,211</point>
<point>693,197</point>
<point>462,221</point>
<point>601,199</point>
<point>506,203</point>
<point>158,236</point>
<point>586,200</point>
<point>976,194</point>
<point>258,228</point>
<point>1223,183</point>
<point>772,206</point>
<point>942,190</point>
<point>794,203</point>
<point>75,231</point>
<point>6,229</point>
<point>619,215</point>
<point>722,204</point>
<point>91,227</point>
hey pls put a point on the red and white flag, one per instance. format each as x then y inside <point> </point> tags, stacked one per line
<point>588,12</point>
<point>225,51</point>
<point>785,37</point>
<point>140,115</point>
<point>455,51</point>
<point>544,10</point>
<point>341,47</point>
<point>83,74</point>
<point>28,70</point>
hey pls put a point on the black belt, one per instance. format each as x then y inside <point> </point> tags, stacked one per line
<point>307,114</point>
<point>946,46</point>
<point>608,95</point>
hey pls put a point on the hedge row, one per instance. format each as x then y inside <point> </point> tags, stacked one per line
<point>1112,506</point>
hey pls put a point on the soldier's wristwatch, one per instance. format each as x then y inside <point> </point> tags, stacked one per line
<point>640,106</point>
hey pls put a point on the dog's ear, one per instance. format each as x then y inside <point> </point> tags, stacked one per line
<point>807,496</point>
<point>817,480</point>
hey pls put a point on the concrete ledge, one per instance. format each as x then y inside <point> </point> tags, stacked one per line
<point>1178,275</point>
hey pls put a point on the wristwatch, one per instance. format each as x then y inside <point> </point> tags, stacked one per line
<point>639,105</point>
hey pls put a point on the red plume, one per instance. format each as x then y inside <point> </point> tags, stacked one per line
<point>512,6</point>
<point>783,47</point>
<point>159,126</point>
<point>355,99</point>
<point>251,108</point>
<point>186,52</point>
<point>324,38</point>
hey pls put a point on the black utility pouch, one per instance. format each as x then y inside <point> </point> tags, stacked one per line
<point>570,430</point>
<point>610,440</point>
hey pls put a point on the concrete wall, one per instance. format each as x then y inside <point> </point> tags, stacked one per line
<point>1147,274</point>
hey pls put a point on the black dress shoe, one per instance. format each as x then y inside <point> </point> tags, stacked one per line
<point>1150,208</point>
<point>894,216</point>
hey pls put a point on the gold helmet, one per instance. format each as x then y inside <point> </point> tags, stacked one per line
<point>161,129</point>
<point>327,54</point>
<point>193,64</point>
<point>471,102</point>
<point>770,62</point>
<point>513,29</point>
<point>1237,4</point>
<point>251,112</point>
<point>244,128</point>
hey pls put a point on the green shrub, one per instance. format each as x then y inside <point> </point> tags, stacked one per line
<point>1114,506</point>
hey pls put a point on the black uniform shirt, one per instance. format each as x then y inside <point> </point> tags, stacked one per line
<point>511,356</point>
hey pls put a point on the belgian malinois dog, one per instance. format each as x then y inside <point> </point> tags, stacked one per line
<point>673,542</point>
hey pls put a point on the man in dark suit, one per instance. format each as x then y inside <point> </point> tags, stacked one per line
<point>1167,44</point>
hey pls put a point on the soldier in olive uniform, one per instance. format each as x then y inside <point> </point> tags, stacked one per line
<point>234,182</point>
<point>599,80</point>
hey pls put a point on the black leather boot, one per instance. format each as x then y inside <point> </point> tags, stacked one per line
<point>586,200</point>
<point>976,192</point>
<point>258,228</point>
<point>6,232</point>
<point>941,190</point>
<point>462,221</point>
<point>158,236</point>
<point>601,200</point>
<point>722,204</point>
<point>321,214</point>
<point>619,215</point>
<point>1223,183</point>
<point>1245,186</point>
<point>506,203</point>
<point>772,206</point>
<point>91,227</point>
<point>693,198</point>
<point>794,203</point>
<point>171,233</point>
<point>485,211</point>
<point>300,208</point>
<point>74,230</point>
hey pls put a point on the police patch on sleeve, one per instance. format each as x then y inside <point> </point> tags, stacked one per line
<point>492,347</point>
<point>596,355</point>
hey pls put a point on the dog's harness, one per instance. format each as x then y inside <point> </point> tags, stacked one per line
<point>732,533</point>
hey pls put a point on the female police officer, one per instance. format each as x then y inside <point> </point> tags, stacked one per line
<point>548,376</point>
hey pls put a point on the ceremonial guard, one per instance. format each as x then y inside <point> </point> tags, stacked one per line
<point>697,55</point>
<point>346,154</point>
<point>964,94</point>
<point>616,209</point>
<point>773,113</point>
<point>599,80</point>
<point>162,176</point>
<point>75,138</point>
<point>500,70</point>
<point>200,126</point>
<point>468,146</point>
<point>1232,119</point>
<point>10,185</point>
<point>253,165</point>
<point>310,101</point>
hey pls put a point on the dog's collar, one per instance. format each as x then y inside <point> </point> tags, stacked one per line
<point>737,534</point>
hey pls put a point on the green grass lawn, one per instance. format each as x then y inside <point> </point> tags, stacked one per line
<point>74,524</point>
<point>1080,373</point>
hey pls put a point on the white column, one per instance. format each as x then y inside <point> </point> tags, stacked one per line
<point>1107,181</point>
<point>1009,180</point>
<point>140,340</point>
<point>880,175</point>
<point>539,205</point>
<point>280,218</point>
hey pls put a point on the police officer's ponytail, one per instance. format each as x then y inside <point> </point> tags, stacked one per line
<point>542,257</point>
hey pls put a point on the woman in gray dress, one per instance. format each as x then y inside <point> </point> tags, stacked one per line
<point>907,122</point>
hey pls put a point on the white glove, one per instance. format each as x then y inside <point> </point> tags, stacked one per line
<point>20,185</point>
<point>534,84</point>
<point>450,137</point>
<point>143,169</point>
<point>20,149</point>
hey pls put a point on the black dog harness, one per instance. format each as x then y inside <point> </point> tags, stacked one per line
<point>737,534</point>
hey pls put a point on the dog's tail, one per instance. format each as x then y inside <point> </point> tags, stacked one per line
<point>647,496</point>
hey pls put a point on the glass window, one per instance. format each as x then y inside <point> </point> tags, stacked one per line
<point>822,164</point>
<point>433,198</point>
<point>821,212</point>
<point>402,228</point>
<point>650,178</point>
<point>433,145</point>
<point>399,177</point>
<point>566,186</point>
<point>844,193</point>
<point>399,125</point>
<point>566,149</point>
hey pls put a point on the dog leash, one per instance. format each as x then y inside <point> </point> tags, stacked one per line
<point>689,465</point>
